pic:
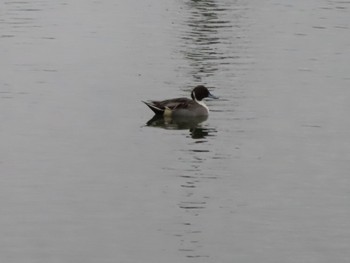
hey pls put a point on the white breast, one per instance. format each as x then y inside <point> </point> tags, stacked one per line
<point>203,104</point>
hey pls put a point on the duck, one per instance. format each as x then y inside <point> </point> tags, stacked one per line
<point>183,107</point>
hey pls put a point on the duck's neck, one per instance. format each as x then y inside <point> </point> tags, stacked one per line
<point>201,102</point>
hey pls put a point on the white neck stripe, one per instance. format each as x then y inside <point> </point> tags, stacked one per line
<point>203,104</point>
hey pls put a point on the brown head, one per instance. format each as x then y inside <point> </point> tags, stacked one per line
<point>200,92</point>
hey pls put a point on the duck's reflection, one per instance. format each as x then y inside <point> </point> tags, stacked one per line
<point>176,123</point>
<point>194,125</point>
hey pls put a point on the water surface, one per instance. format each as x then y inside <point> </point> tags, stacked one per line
<point>85,177</point>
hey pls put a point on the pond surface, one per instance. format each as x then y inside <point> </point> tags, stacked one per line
<point>86,177</point>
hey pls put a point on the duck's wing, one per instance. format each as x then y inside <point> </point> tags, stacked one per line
<point>158,107</point>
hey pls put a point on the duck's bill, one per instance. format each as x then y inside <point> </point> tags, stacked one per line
<point>212,96</point>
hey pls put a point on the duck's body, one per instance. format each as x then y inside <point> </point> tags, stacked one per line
<point>183,107</point>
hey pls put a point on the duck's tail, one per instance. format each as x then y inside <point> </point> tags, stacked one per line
<point>154,108</point>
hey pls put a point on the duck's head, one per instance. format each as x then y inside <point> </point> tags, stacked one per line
<point>200,92</point>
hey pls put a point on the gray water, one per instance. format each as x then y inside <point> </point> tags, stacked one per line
<point>264,179</point>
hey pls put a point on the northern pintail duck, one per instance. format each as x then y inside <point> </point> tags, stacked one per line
<point>183,107</point>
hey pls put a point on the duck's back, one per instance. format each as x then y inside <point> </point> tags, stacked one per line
<point>173,103</point>
<point>178,107</point>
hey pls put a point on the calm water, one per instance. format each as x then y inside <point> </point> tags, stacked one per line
<point>264,179</point>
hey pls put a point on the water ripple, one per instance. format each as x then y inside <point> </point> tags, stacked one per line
<point>212,40</point>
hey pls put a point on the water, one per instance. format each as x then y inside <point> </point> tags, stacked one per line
<point>263,179</point>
